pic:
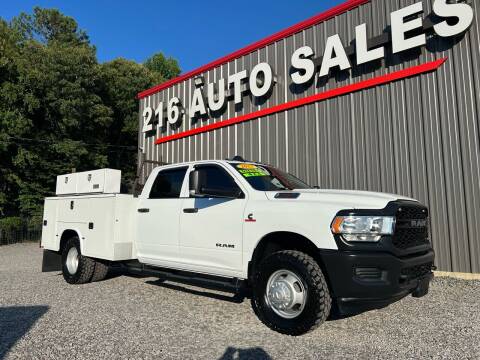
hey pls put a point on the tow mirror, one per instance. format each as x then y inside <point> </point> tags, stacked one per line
<point>195,183</point>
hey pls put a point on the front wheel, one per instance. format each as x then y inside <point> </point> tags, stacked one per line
<point>290,294</point>
<point>76,268</point>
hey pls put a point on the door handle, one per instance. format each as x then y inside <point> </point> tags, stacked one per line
<point>190,210</point>
<point>144,210</point>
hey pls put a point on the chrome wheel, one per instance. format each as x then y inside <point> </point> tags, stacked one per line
<point>72,260</point>
<point>286,294</point>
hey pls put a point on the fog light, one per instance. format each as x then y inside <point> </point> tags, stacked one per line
<point>368,273</point>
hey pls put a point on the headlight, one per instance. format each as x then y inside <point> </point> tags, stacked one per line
<point>363,228</point>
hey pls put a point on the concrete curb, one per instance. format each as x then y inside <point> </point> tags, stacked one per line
<point>457,275</point>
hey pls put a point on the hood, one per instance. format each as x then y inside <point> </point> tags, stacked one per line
<point>351,199</point>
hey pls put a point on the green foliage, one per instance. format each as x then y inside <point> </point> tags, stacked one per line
<point>49,25</point>
<point>11,223</point>
<point>164,68</point>
<point>62,110</point>
<point>122,79</point>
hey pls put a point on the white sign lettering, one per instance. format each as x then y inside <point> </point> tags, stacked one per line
<point>407,32</point>
<point>400,27</point>
<point>462,12</point>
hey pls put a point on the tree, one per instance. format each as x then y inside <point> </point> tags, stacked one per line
<point>8,52</point>
<point>164,68</point>
<point>60,109</point>
<point>52,101</point>
<point>49,25</point>
<point>122,80</point>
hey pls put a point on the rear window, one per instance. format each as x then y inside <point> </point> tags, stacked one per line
<point>268,178</point>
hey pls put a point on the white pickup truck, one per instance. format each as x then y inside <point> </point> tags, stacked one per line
<point>299,252</point>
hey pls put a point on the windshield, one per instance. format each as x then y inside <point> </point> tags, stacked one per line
<point>268,178</point>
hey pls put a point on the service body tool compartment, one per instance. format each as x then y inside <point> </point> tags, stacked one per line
<point>66,184</point>
<point>104,223</point>
<point>49,234</point>
<point>102,181</point>
<point>99,181</point>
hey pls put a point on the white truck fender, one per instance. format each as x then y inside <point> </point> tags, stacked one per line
<point>71,228</point>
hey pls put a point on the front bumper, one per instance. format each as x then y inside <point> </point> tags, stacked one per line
<point>361,281</point>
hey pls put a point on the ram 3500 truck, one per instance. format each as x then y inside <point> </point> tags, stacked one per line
<point>299,252</point>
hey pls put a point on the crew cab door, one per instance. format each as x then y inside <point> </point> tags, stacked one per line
<point>158,218</point>
<point>211,228</point>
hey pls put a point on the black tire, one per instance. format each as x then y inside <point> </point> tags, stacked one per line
<point>85,268</point>
<point>100,272</point>
<point>318,301</point>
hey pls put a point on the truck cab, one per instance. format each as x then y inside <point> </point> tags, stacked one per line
<point>298,251</point>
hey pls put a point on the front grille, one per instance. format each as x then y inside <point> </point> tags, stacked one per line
<point>411,228</point>
<point>416,271</point>
<point>411,212</point>
<point>410,237</point>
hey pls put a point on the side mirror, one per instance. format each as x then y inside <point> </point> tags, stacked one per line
<point>194,183</point>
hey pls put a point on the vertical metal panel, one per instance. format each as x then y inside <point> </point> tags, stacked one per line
<point>418,137</point>
<point>472,80</point>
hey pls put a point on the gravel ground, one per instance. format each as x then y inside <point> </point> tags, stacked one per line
<point>42,317</point>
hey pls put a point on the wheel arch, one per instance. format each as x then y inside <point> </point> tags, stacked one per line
<point>283,240</point>
<point>68,234</point>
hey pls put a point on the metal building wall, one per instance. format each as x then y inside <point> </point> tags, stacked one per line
<point>417,137</point>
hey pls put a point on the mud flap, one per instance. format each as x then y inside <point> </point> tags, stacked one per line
<point>52,261</point>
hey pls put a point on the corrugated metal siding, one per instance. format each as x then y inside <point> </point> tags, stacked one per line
<point>418,137</point>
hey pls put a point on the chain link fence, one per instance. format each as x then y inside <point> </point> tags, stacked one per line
<point>24,233</point>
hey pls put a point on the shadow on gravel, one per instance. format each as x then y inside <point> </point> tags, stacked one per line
<point>256,353</point>
<point>15,322</point>
<point>237,298</point>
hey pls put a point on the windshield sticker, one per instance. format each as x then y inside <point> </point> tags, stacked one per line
<point>253,172</point>
<point>246,166</point>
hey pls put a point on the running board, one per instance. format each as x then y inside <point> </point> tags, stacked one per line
<point>232,285</point>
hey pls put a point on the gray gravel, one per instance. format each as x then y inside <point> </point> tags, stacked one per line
<point>42,317</point>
